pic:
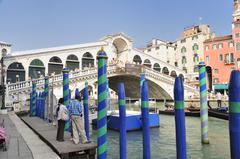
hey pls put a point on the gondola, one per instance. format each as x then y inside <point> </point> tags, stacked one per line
<point>187,113</point>
<point>218,113</point>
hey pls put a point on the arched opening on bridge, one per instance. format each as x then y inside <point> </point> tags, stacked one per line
<point>157,67</point>
<point>120,46</point>
<point>165,71</point>
<point>55,65</point>
<point>72,62</point>
<point>173,74</point>
<point>137,59</point>
<point>209,78</point>
<point>132,88</point>
<point>15,73</point>
<point>181,75</point>
<point>147,63</point>
<point>87,60</point>
<point>36,69</point>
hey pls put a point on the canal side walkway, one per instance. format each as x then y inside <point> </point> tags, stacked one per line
<point>24,143</point>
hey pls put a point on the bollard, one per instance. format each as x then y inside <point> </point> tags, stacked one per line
<point>86,113</point>
<point>145,121</point>
<point>66,94</point>
<point>180,118</point>
<point>34,98</point>
<point>102,105</point>
<point>234,114</point>
<point>203,103</point>
<point>122,117</point>
<point>46,97</point>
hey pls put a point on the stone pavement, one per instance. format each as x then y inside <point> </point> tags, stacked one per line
<point>24,143</point>
<point>18,148</point>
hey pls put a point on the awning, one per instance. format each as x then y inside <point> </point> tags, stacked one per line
<point>220,86</point>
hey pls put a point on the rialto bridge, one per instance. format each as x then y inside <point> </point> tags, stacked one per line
<point>124,64</point>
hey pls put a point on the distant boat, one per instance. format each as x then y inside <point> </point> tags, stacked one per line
<point>187,113</point>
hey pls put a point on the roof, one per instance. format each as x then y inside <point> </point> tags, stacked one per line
<point>4,43</point>
<point>51,49</point>
<point>219,38</point>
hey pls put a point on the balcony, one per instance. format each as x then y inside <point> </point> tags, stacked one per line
<point>229,62</point>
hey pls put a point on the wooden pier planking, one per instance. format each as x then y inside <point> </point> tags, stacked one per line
<point>48,132</point>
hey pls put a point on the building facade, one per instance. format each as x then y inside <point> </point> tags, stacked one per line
<point>185,52</point>
<point>222,54</point>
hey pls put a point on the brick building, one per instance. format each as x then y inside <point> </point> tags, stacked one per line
<point>222,54</point>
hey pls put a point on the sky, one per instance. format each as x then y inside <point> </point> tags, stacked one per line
<point>34,24</point>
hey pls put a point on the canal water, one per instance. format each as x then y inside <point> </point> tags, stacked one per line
<point>163,142</point>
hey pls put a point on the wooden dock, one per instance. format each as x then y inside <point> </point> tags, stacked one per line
<point>66,149</point>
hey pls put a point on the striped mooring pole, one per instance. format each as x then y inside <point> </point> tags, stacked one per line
<point>77,93</point>
<point>86,113</point>
<point>66,99</point>
<point>203,103</point>
<point>142,79</point>
<point>34,99</point>
<point>122,117</point>
<point>30,103</point>
<point>46,96</point>
<point>234,114</point>
<point>37,104</point>
<point>43,105</point>
<point>145,121</point>
<point>102,105</point>
<point>180,118</point>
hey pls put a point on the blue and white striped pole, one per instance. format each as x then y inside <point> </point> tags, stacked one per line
<point>145,121</point>
<point>180,118</point>
<point>234,114</point>
<point>86,113</point>
<point>122,116</point>
<point>46,94</point>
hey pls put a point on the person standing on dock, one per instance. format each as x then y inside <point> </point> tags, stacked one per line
<point>61,111</point>
<point>76,115</point>
<point>219,99</point>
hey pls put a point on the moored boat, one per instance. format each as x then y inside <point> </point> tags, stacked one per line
<point>218,113</point>
<point>187,113</point>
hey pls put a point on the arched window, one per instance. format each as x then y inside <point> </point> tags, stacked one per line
<point>36,69</point>
<point>156,67</point>
<point>55,65</point>
<point>165,71</point>
<point>184,60</point>
<point>15,72</point>
<point>195,47</point>
<point>137,59</point>
<point>72,62</point>
<point>4,52</point>
<point>87,60</point>
<point>173,74</point>
<point>183,50</point>
<point>238,46</point>
<point>181,75</point>
<point>147,63</point>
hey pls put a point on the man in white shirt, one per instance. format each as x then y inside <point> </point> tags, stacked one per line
<point>219,99</point>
